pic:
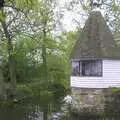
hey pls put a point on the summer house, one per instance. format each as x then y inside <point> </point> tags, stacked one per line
<point>95,57</point>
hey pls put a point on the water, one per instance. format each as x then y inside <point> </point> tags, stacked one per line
<point>34,109</point>
<point>44,108</point>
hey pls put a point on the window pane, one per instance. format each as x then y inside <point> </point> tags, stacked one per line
<point>75,69</point>
<point>92,68</point>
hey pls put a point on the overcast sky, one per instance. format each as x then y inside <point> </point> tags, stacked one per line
<point>74,18</point>
<point>71,18</point>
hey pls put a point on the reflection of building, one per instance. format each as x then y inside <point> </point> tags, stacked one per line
<point>95,57</point>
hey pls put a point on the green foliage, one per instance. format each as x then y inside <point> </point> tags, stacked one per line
<point>25,53</point>
<point>3,50</point>
<point>2,16</point>
<point>28,36</point>
<point>39,89</point>
<point>26,4</point>
<point>28,57</point>
<point>115,90</point>
<point>68,40</point>
<point>28,66</point>
<point>58,71</point>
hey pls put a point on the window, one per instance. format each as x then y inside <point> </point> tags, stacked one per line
<point>87,68</point>
<point>92,68</point>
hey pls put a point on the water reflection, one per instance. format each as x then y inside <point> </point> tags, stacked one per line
<point>21,112</point>
<point>51,109</point>
<point>29,110</point>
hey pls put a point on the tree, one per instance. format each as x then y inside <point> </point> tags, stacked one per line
<point>45,20</point>
<point>9,23</point>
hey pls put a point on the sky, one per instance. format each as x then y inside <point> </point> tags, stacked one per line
<point>74,18</point>
<point>71,18</point>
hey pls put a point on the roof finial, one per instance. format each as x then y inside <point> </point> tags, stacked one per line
<point>95,4</point>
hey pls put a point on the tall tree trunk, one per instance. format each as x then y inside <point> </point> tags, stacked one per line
<point>2,91</point>
<point>44,55</point>
<point>11,62</point>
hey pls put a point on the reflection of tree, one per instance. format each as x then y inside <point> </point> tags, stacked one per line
<point>30,109</point>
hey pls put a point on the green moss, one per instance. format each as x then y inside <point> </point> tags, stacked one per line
<point>115,90</point>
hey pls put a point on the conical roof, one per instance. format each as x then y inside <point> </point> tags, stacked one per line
<point>96,40</point>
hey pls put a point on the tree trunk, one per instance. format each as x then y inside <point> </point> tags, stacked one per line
<point>11,63</point>
<point>12,75</point>
<point>2,91</point>
<point>44,55</point>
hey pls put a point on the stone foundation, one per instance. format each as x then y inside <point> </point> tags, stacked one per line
<point>88,100</point>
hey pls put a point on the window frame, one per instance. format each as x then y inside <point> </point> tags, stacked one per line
<point>81,67</point>
<point>101,75</point>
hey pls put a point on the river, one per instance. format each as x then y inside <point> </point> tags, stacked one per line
<point>50,109</point>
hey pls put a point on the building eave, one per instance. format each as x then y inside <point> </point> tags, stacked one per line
<point>94,59</point>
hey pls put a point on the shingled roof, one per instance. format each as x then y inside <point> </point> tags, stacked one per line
<point>95,40</point>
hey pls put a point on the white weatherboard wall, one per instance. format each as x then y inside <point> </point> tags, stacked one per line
<point>110,78</point>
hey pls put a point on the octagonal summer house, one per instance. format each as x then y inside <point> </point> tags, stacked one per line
<point>95,57</point>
